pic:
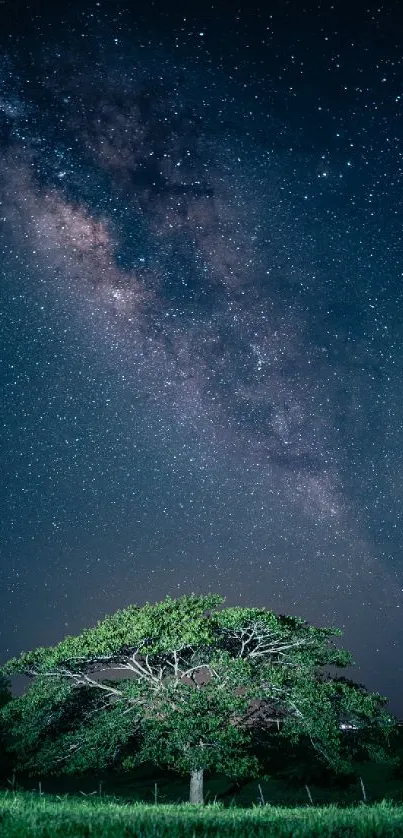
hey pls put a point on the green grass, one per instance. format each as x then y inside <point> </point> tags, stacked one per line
<point>25,815</point>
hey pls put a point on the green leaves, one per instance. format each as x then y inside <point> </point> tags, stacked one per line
<point>193,682</point>
<point>199,730</point>
<point>5,690</point>
<point>153,629</point>
<point>257,633</point>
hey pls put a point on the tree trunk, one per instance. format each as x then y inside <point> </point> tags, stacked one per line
<point>196,786</point>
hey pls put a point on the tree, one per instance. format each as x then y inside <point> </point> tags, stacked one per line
<point>5,691</point>
<point>5,698</point>
<point>192,683</point>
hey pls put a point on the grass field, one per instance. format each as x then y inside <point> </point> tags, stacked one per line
<point>25,815</point>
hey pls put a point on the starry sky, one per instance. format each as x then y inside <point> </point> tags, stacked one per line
<point>201,315</point>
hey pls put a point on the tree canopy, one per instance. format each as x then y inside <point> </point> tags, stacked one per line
<point>192,681</point>
<point>5,691</point>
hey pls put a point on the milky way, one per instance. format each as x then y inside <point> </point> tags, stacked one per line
<point>213,259</point>
<point>218,327</point>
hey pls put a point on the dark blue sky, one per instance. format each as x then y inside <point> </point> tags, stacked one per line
<point>201,365</point>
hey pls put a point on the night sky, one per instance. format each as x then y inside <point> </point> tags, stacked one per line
<point>201,315</point>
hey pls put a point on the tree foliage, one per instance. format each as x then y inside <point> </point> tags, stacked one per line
<point>5,698</point>
<point>192,684</point>
<point>5,691</point>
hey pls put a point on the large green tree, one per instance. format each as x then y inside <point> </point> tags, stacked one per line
<point>192,682</point>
